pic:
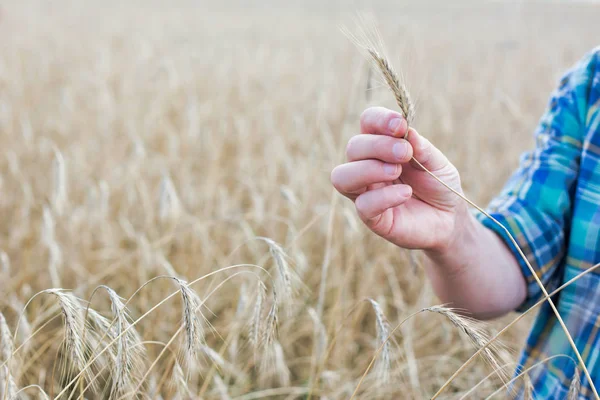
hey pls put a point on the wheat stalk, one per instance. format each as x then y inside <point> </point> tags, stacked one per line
<point>320,332</point>
<point>241,308</point>
<point>528,390</point>
<point>41,393</point>
<point>59,192</point>
<point>221,388</point>
<point>512,323</point>
<point>526,370</point>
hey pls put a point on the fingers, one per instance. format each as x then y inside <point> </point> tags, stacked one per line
<point>352,178</point>
<point>384,148</point>
<point>373,203</point>
<point>425,152</point>
<point>381,121</point>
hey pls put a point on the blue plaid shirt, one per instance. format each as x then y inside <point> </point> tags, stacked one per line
<point>551,205</point>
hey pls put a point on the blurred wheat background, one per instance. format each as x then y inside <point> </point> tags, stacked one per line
<point>153,139</point>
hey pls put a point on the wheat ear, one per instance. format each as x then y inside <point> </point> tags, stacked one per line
<point>575,386</point>
<point>74,326</point>
<point>384,363</point>
<point>4,263</point>
<point>194,329</point>
<point>400,91</point>
<point>402,96</point>
<point>525,371</point>
<point>8,388</point>
<point>476,335</point>
<point>256,322</point>
<point>512,323</point>
<point>6,342</point>
<point>130,352</point>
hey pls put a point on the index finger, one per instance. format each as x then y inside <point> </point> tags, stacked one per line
<point>381,121</point>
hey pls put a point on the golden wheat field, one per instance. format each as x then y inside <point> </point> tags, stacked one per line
<point>166,166</point>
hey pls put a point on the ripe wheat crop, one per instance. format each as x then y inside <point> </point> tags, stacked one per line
<point>167,224</point>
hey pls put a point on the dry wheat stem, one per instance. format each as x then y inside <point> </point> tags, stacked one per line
<point>327,256</point>
<point>401,96</point>
<point>321,333</point>
<point>195,135</point>
<point>221,388</point>
<point>507,327</point>
<point>213,368</point>
<point>30,337</point>
<point>41,392</point>
<point>163,346</point>
<point>144,315</point>
<point>174,336</point>
<point>494,372</point>
<point>174,356</point>
<point>380,349</point>
<point>476,335</point>
<point>172,294</point>
<point>526,370</point>
<point>266,393</point>
<point>528,391</point>
<point>321,363</point>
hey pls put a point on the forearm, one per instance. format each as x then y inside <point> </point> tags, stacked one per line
<point>476,272</point>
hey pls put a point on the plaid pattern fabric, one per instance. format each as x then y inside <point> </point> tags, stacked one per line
<point>551,205</point>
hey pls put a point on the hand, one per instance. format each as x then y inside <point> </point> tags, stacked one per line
<point>393,196</point>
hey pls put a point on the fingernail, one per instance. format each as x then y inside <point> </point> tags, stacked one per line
<point>390,169</point>
<point>394,124</point>
<point>399,150</point>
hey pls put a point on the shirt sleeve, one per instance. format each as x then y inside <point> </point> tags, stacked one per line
<point>535,204</point>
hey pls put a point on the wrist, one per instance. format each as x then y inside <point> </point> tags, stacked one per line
<point>464,230</point>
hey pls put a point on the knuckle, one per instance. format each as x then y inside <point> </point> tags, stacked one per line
<point>371,117</point>
<point>425,148</point>
<point>382,146</point>
<point>367,114</point>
